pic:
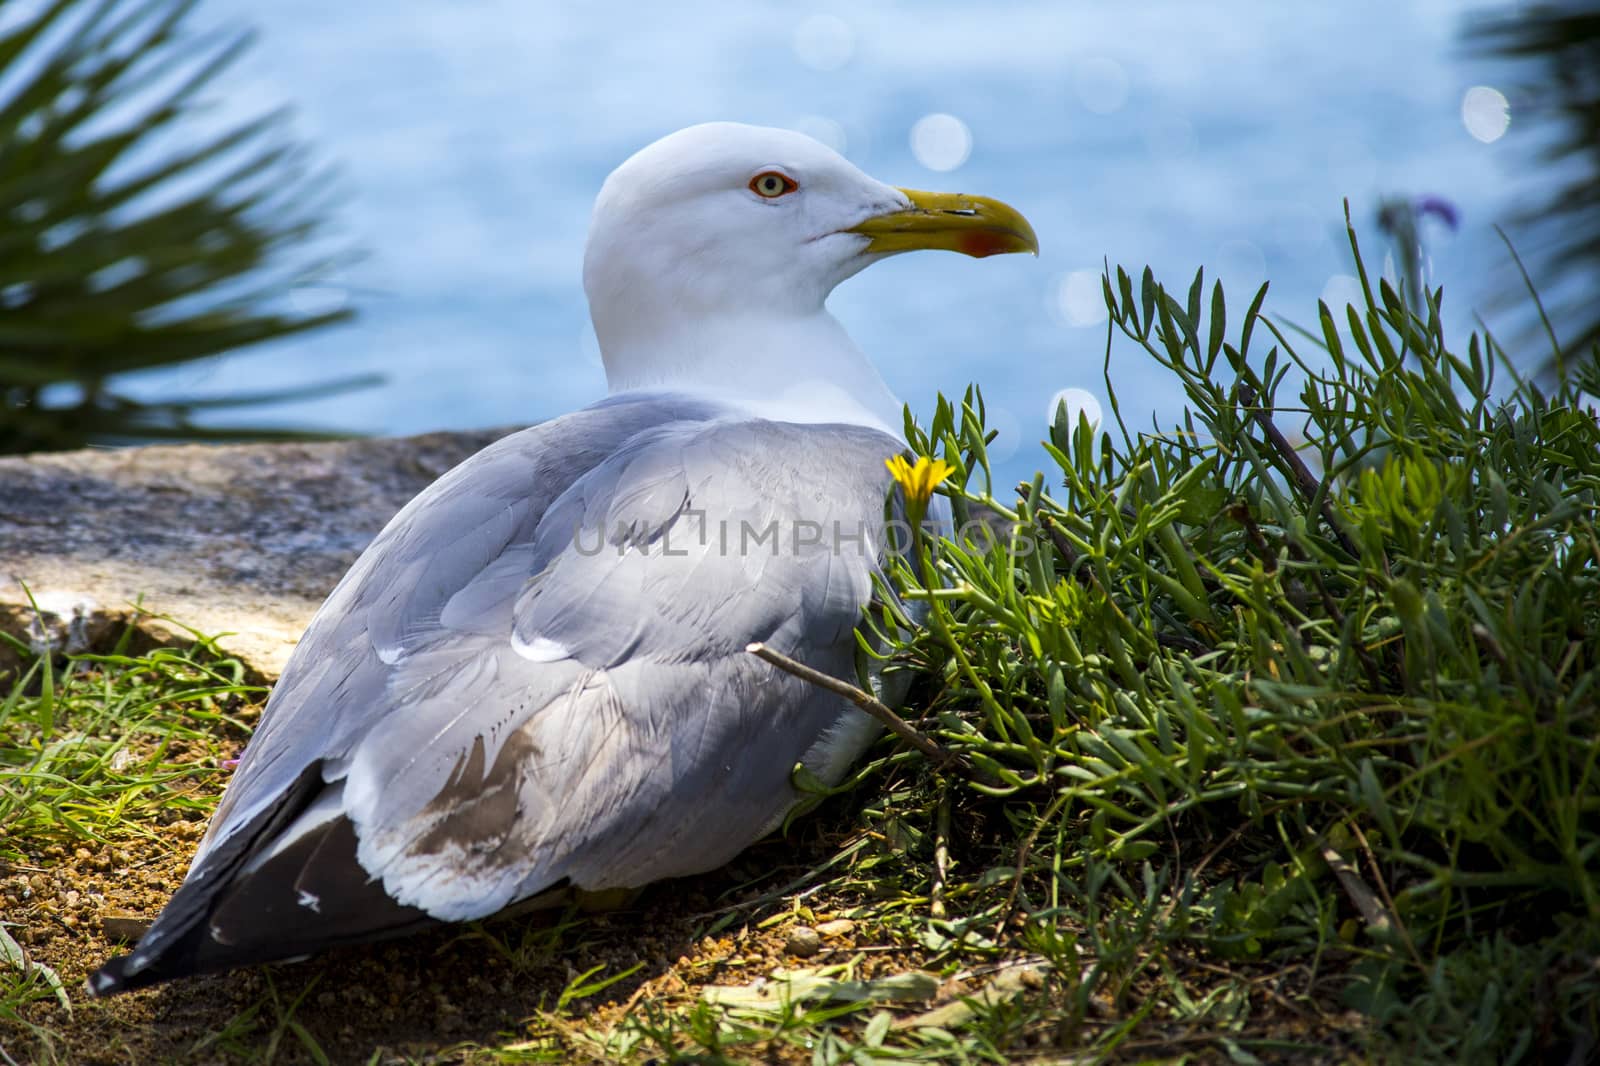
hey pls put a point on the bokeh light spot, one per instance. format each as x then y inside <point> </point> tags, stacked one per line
<point>1485,112</point>
<point>1081,298</point>
<point>1102,85</point>
<point>1342,290</point>
<point>941,142</point>
<point>824,42</point>
<point>1079,402</point>
<point>1007,431</point>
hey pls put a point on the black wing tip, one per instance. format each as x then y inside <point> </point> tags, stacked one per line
<point>108,980</point>
<point>149,964</point>
<point>114,978</point>
<point>262,918</point>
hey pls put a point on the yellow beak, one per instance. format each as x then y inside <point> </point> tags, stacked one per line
<point>954,222</point>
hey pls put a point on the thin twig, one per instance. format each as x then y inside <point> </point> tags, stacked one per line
<point>1257,983</point>
<point>1179,642</point>
<point>941,855</point>
<point>1374,677</point>
<point>1052,529</point>
<point>1069,555</point>
<point>1240,512</point>
<point>941,758</point>
<point>1383,887</point>
<point>1199,867</point>
<point>1372,911</point>
<point>1022,859</point>
<point>1490,644</point>
<point>1304,479</point>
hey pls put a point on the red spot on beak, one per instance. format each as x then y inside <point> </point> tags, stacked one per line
<point>979,244</point>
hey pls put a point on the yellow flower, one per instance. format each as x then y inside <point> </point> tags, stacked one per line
<point>918,480</point>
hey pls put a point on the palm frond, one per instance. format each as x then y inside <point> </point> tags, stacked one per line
<point>121,252</point>
<point>1557,110</point>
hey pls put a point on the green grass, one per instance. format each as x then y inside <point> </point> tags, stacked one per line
<point>107,749</point>
<point>1287,708</point>
<point>112,745</point>
<point>1275,734</point>
<point>1331,702</point>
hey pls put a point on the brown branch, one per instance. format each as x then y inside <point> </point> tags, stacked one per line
<point>1329,604</point>
<point>1373,912</point>
<point>1058,539</point>
<point>1240,512</point>
<point>1179,642</point>
<point>1394,911</point>
<point>940,758</point>
<point>1380,915</point>
<point>1490,644</point>
<point>941,856</point>
<point>1069,555</point>
<point>1304,479</point>
<point>1022,860</point>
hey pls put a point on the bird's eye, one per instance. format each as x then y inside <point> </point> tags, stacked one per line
<point>772,184</point>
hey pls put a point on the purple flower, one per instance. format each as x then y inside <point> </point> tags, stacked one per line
<point>1440,208</point>
<point>1397,215</point>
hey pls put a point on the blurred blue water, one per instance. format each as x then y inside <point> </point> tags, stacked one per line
<point>470,138</point>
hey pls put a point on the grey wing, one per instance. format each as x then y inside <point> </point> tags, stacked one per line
<point>536,675</point>
<point>442,575</point>
<point>618,733</point>
<point>431,575</point>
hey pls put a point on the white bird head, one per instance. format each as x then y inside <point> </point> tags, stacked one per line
<point>711,253</point>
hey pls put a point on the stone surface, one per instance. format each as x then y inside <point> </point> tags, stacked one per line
<point>802,941</point>
<point>245,540</point>
<point>839,927</point>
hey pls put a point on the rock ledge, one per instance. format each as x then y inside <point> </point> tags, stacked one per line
<point>243,540</point>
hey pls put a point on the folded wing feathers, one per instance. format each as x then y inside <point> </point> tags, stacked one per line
<point>637,741</point>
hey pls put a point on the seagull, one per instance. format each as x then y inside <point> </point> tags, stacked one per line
<point>535,679</point>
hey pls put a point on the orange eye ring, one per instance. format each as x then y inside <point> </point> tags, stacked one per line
<point>771,184</point>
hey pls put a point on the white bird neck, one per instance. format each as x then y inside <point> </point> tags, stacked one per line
<point>792,367</point>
